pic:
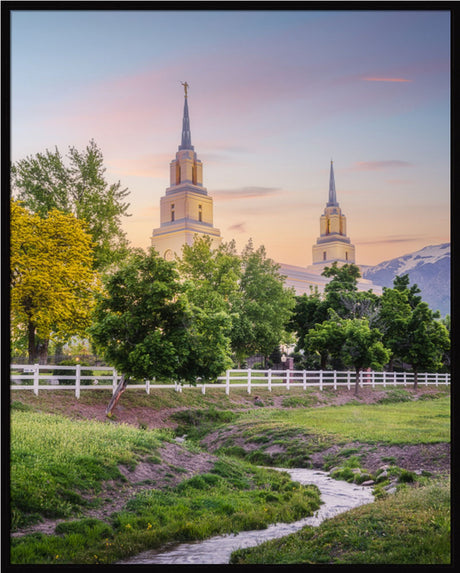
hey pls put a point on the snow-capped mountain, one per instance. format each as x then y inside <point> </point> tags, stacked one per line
<point>429,268</point>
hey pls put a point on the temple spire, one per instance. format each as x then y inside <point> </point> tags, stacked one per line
<point>332,195</point>
<point>186,142</point>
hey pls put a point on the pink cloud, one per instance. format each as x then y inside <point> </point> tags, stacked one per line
<point>386,80</point>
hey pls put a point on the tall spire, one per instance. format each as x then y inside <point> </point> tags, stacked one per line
<point>332,196</point>
<point>186,134</point>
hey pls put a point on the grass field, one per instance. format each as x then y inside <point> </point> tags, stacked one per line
<point>421,421</point>
<point>57,462</point>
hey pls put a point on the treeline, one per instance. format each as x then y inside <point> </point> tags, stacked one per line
<point>73,273</point>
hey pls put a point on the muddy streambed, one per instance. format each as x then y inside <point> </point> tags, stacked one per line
<point>337,497</point>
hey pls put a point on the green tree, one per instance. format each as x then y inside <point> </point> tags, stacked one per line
<point>308,311</point>
<point>44,182</point>
<point>362,347</point>
<point>393,320</point>
<point>262,307</point>
<point>146,326</point>
<point>341,293</point>
<point>53,283</point>
<point>427,340</point>
<point>326,339</point>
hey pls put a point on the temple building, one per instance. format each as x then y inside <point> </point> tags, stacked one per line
<point>333,243</point>
<point>186,209</point>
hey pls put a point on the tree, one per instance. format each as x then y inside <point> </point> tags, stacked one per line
<point>44,182</point>
<point>53,283</point>
<point>427,340</point>
<point>308,311</point>
<point>326,339</point>
<point>362,347</point>
<point>146,326</point>
<point>263,305</point>
<point>342,293</point>
<point>393,317</point>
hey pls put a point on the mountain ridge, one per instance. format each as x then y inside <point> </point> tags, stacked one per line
<point>428,268</point>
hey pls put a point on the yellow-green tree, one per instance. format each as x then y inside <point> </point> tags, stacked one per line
<point>53,283</point>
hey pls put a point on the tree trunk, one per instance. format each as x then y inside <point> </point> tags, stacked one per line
<point>31,342</point>
<point>415,379</point>
<point>323,361</point>
<point>118,392</point>
<point>357,381</point>
<point>38,349</point>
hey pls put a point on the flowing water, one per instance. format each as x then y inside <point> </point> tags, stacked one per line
<point>337,497</point>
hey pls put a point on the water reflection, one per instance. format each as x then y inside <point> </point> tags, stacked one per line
<point>337,497</point>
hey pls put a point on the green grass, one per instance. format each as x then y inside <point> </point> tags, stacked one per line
<point>415,422</point>
<point>55,460</point>
<point>409,527</point>
<point>233,497</point>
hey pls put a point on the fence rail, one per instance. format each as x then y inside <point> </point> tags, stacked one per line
<point>38,377</point>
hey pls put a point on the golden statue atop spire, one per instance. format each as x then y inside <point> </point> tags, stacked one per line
<point>185,84</point>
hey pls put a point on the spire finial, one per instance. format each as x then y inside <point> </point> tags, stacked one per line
<point>332,195</point>
<point>185,84</point>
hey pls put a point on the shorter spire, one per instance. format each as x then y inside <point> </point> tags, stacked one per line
<point>332,195</point>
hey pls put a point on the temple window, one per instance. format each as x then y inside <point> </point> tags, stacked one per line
<point>172,212</point>
<point>200,213</point>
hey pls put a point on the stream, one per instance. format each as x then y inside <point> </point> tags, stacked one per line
<point>337,497</point>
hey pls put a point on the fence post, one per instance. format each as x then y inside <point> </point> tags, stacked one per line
<point>115,377</point>
<point>426,378</point>
<point>348,379</point>
<point>394,378</point>
<point>287,379</point>
<point>77,380</point>
<point>249,380</point>
<point>36,378</point>
<point>335,379</point>
<point>227,383</point>
<point>304,375</point>
<point>404,377</point>
<point>203,388</point>
<point>270,380</point>
<point>373,379</point>
<point>384,379</point>
<point>147,386</point>
<point>321,380</point>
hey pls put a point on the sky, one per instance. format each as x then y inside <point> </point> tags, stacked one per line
<point>273,97</point>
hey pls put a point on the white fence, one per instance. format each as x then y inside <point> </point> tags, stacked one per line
<point>37,377</point>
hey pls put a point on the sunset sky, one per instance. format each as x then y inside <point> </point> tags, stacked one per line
<point>273,97</point>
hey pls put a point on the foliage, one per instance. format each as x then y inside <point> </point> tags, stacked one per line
<point>263,306</point>
<point>362,347</point>
<point>326,339</point>
<point>146,326</point>
<point>44,182</point>
<point>53,283</point>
